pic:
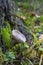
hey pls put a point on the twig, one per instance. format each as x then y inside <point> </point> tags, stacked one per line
<point>29,61</point>
<point>41,60</point>
<point>32,47</point>
<point>17,16</point>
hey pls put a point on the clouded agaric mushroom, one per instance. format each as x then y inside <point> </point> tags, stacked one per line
<point>18,36</point>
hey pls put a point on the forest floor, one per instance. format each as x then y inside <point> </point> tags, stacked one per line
<point>29,50</point>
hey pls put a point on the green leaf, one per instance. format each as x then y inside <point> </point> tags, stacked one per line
<point>40,49</point>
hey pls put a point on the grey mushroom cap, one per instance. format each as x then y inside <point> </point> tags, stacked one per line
<point>18,36</point>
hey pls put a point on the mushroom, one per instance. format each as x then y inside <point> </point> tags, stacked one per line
<point>41,38</point>
<point>18,36</point>
<point>37,16</point>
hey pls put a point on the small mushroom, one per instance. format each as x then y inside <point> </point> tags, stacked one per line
<point>41,38</point>
<point>18,36</point>
<point>37,16</point>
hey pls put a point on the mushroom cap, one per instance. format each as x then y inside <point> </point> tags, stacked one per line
<point>18,36</point>
<point>41,36</point>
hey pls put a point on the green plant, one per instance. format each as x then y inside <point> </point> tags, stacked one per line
<point>6,34</point>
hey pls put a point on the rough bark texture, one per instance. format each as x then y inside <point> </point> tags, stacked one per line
<point>5,8</point>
